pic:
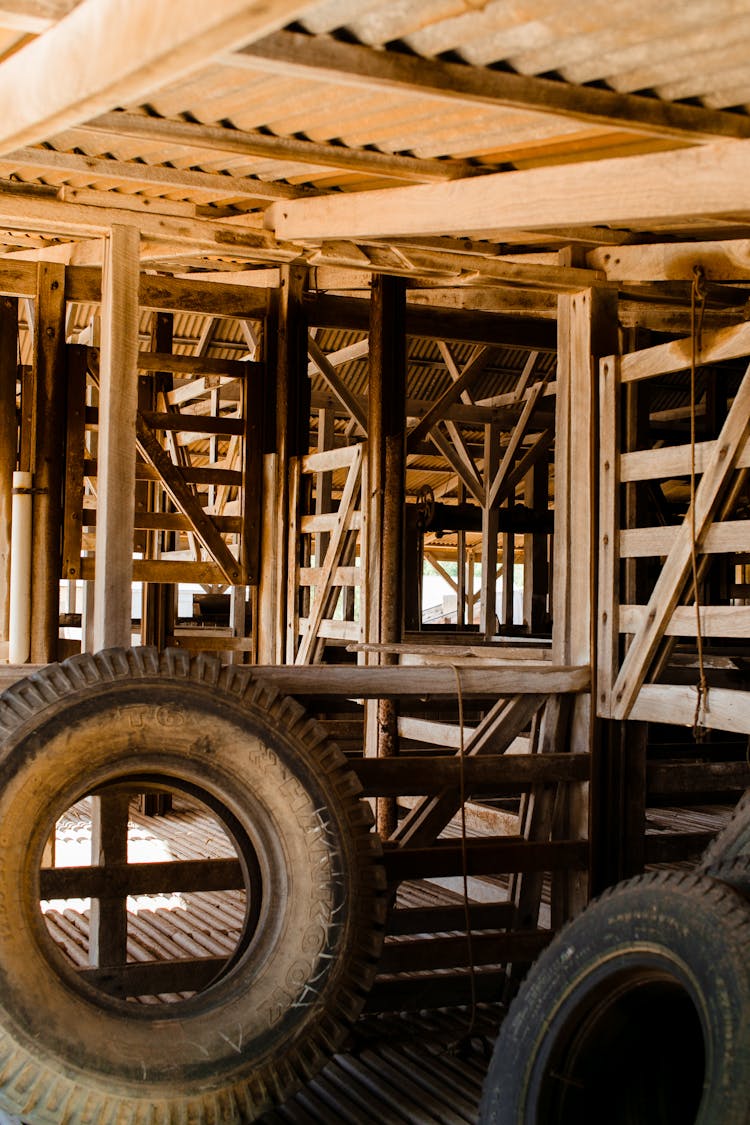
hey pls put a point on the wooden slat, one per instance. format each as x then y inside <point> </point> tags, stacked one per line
<point>716,620</point>
<point>609,578</point>
<point>165,570</point>
<point>342,576</point>
<point>674,461</point>
<point>122,879</point>
<point>723,709</point>
<point>484,856</point>
<point>674,572</point>
<point>155,978</point>
<point>83,284</point>
<point>333,630</point>
<point>427,774</point>
<point>74,461</point>
<point>665,359</point>
<point>329,460</point>
<point>676,779</point>
<point>198,365</point>
<point>441,919</point>
<point>421,955</point>
<point>312,525</point>
<point>336,385</point>
<point>646,542</point>
<point>192,423</point>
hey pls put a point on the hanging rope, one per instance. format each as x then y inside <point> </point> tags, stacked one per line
<point>697,309</point>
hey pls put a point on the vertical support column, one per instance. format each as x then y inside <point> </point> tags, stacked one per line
<point>386,427</point>
<point>113,573</point>
<point>159,599</point>
<point>535,551</point>
<point>287,431</point>
<point>490,522</point>
<point>8,445</point>
<point>118,402</point>
<point>47,460</point>
<point>587,328</point>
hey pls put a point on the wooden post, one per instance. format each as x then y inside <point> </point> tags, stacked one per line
<point>386,426</point>
<point>8,444</point>
<point>587,327</point>
<point>535,551</point>
<point>490,521</point>
<point>159,598</point>
<point>118,401</point>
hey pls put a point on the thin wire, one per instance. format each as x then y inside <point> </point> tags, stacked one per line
<point>697,308</point>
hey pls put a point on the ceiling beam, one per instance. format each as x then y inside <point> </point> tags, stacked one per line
<point>218,138</point>
<point>107,53</point>
<point>711,182</point>
<point>33,16</point>
<point>321,57</point>
<point>154,176</point>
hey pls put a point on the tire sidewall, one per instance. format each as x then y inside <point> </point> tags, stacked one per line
<point>249,764</point>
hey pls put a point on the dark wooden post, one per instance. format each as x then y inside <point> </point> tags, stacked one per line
<point>386,475</point>
<point>158,605</point>
<point>8,444</point>
<point>47,461</point>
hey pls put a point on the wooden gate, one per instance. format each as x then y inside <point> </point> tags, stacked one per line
<point>653,477</point>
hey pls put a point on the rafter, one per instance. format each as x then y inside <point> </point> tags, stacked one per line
<point>106,53</point>
<point>329,60</point>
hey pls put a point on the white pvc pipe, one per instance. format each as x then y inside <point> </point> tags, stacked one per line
<point>20,570</point>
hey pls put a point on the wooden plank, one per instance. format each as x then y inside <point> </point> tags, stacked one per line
<point>310,525</point>
<point>107,54</point>
<point>646,542</point>
<point>117,447</point>
<point>198,365</point>
<point>665,359</point>
<point>716,620</point>
<point>252,409</point>
<point>337,387</point>
<point>428,683</point>
<point>108,924</point>
<point>673,461</point>
<point>672,847</point>
<point>18,279</point>
<point>723,708</point>
<point>123,879</point>
<point>192,474</point>
<point>326,59</point>
<point>674,261</point>
<point>490,527</point>
<point>196,424</point>
<point>253,143</point>
<point>677,779</point>
<point>165,570</point>
<point>514,442</point>
<point>75,452</point>
<point>105,170</point>
<point>441,919</point>
<point>329,460</point>
<point>342,576</point>
<point>661,186</point>
<point>534,333</point>
<point>429,774</point>
<point>422,955</point>
<point>334,630</point>
<point>460,460</point>
<point>155,978</point>
<point>8,445</point>
<point>84,284</point>
<point>607,658</point>
<point>48,455</point>
<point>675,570</point>
<point>484,856</point>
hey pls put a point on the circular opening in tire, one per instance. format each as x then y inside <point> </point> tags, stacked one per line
<point>631,1051</point>
<point>269,1012</point>
<point>145,941</point>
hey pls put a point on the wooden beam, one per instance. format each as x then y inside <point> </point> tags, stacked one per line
<point>99,169</point>
<point>712,182</point>
<point>106,54</point>
<point>8,445</point>
<point>222,139</point>
<point>49,446</point>
<point>471,370</point>
<point>118,393</point>
<point>83,284</point>
<point>330,60</point>
<point>674,261</point>
<point>723,708</point>
<point>320,362</point>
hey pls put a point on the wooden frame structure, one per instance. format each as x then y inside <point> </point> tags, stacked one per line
<point>291,352</point>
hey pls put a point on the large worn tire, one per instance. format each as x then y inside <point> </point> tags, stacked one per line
<point>69,1052</point>
<point>734,839</point>
<point>636,1014</point>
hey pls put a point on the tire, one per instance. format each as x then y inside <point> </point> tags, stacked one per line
<point>636,1014</point>
<point>733,840</point>
<point>71,1053</point>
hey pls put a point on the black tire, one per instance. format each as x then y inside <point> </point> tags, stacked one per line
<point>636,1014</point>
<point>734,839</point>
<point>68,1052</point>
